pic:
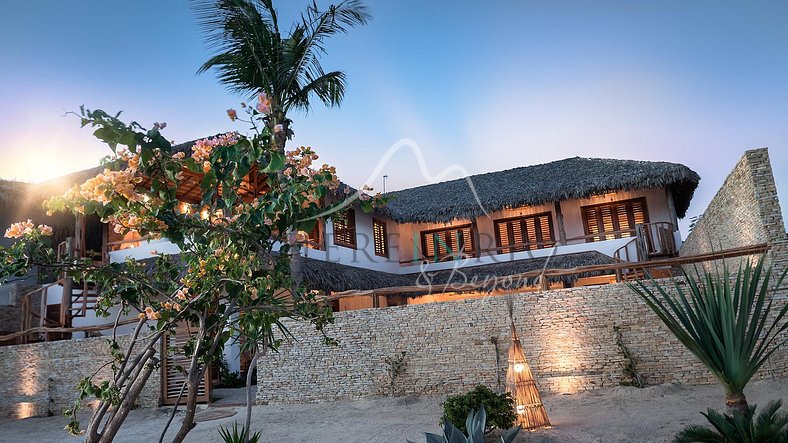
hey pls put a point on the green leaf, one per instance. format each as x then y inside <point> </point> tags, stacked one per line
<point>146,154</point>
<point>276,163</point>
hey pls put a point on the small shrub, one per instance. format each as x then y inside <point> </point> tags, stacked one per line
<point>631,374</point>
<point>238,436</point>
<point>395,367</point>
<point>770,426</point>
<point>228,379</point>
<point>476,424</point>
<point>499,408</point>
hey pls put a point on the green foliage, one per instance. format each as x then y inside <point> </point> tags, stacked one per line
<point>770,426</point>
<point>456,409</point>
<point>475,423</point>
<point>728,323</point>
<point>234,245</point>
<point>254,56</point>
<point>228,379</point>
<point>631,373</point>
<point>395,367</point>
<point>238,436</point>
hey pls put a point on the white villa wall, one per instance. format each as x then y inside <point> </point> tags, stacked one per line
<point>364,253</point>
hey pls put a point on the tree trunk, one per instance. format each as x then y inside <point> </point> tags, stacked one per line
<point>192,385</point>
<point>248,423</point>
<point>736,402</point>
<point>117,419</point>
<point>296,268</point>
<point>280,141</point>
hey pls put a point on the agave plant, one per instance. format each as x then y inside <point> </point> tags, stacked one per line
<point>475,423</point>
<point>770,426</point>
<point>238,436</point>
<point>726,321</point>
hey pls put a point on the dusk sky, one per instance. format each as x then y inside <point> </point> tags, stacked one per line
<point>482,85</point>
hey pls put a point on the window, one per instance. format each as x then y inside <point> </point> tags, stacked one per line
<point>315,237</point>
<point>525,233</point>
<point>345,229</point>
<point>380,239</point>
<point>614,220</point>
<point>447,243</point>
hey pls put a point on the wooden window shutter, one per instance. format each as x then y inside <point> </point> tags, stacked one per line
<point>525,233</point>
<point>172,362</point>
<point>380,238</point>
<point>316,236</point>
<point>448,243</point>
<point>345,229</point>
<point>614,220</point>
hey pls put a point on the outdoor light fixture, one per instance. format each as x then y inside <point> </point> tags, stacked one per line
<point>521,384</point>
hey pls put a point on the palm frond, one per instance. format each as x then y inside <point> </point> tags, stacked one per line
<point>245,34</point>
<point>252,56</point>
<point>726,321</point>
<point>305,45</point>
<point>770,425</point>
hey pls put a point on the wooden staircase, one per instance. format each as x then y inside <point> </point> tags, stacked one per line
<point>83,298</point>
<point>651,241</point>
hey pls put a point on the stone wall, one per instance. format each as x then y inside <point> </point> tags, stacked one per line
<point>568,336</point>
<point>745,211</point>
<point>11,315</point>
<point>41,378</point>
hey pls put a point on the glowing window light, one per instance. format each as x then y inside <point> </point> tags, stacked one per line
<point>518,367</point>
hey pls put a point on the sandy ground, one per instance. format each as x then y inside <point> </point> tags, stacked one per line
<point>620,414</point>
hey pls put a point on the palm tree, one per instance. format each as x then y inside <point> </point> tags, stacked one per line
<point>253,56</point>
<point>726,321</point>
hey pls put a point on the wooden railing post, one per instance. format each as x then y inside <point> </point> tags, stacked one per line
<point>84,298</point>
<point>65,302</point>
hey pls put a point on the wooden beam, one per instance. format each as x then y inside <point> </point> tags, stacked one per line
<point>93,328</point>
<point>559,216</point>
<point>665,262</point>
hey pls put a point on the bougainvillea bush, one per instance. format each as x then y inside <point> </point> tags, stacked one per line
<point>237,236</point>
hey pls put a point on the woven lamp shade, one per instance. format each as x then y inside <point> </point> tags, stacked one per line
<point>521,384</point>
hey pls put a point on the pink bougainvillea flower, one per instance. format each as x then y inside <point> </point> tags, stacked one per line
<point>232,114</point>
<point>263,103</point>
<point>15,231</point>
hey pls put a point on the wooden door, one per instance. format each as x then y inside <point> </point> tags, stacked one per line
<point>172,377</point>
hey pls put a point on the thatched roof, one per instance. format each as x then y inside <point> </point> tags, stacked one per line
<point>335,277</point>
<point>329,276</point>
<point>490,276</point>
<point>533,185</point>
